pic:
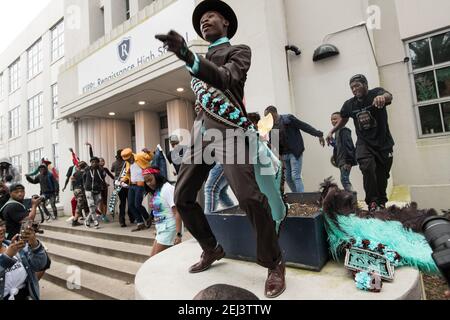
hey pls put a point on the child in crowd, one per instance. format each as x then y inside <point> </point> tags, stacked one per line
<point>166,217</point>
<point>344,156</point>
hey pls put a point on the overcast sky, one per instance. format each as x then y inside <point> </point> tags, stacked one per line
<point>15,15</point>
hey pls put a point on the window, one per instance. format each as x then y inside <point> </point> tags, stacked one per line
<point>35,59</point>
<point>56,155</point>
<point>58,41</point>
<point>14,123</point>
<point>14,76</point>
<point>164,122</point>
<point>16,161</point>
<point>35,112</point>
<point>54,101</point>
<point>34,159</point>
<point>430,66</point>
<point>127,9</point>
<point>1,129</point>
<point>1,86</point>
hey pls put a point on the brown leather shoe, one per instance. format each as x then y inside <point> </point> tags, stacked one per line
<point>276,283</point>
<point>207,259</point>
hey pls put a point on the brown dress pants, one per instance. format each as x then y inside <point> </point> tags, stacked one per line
<point>241,177</point>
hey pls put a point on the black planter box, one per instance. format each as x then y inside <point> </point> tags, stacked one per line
<point>303,239</point>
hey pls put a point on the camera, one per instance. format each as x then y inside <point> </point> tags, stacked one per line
<point>41,198</point>
<point>437,233</point>
<point>35,226</point>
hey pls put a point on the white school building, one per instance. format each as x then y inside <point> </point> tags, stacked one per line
<point>91,70</point>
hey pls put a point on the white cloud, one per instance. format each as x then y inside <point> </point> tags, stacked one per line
<point>15,16</point>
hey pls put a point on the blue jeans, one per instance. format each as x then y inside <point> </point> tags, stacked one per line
<point>135,198</point>
<point>293,167</point>
<point>345,179</point>
<point>216,189</point>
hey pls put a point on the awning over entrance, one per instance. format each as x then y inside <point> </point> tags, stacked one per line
<point>147,88</point>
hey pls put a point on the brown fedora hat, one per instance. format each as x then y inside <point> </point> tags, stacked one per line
<point>219,6</point>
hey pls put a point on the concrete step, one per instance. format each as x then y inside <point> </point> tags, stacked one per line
<point>122,250</point>
<point>52,292</point>
<point>93,285</point>
<point>112,267</point>
<point>113,233</point>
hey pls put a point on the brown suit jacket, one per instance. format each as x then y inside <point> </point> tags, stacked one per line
<point>225,68</point>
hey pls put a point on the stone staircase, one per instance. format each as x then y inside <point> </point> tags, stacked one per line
<point>108,258</point>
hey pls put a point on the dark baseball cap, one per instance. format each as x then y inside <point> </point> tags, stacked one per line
<point>359,78</point>
<point>16,186</point>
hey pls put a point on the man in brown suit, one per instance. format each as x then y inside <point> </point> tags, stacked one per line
<point>225,68</point>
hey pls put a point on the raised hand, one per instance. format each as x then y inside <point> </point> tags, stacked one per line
<point>175,43</point>
<point>16,245</point>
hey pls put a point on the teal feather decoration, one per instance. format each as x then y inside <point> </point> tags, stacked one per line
<point>411,246</point>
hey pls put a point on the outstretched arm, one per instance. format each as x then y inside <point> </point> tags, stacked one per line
<point>224,77</point>
<point>91,151</point>
<point>303,126</point>
<point>75,160</point>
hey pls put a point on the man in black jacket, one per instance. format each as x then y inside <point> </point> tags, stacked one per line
<point>49,189</point>
<point>93,186</point>
<point>375,145</point>
<point>292,147</point>
<point>15,211</point>
<point>343,152</point>
<point>225,68</point>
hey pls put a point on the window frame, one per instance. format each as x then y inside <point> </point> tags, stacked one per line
<point>433,68</point>
<point>10,123</point>
<point>35,163</point>
<point>55,106</point>
<point>2,85</point>
<point>36,117</point>
<point>55,151</point>
<point>17,165</point>
<point>127,10</point>
<point>12,70</point>
<point>35,55</point>
<point>59,39</point>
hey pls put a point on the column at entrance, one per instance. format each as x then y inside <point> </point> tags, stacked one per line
<point>180,114</point>
<point>106,135</point>
<point>147,130</point>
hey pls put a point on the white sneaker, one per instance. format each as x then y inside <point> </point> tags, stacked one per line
<point>69,220</point>
<point>96,225</point>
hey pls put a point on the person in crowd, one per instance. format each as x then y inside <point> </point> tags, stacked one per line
<point>176,155</point>
<point>93,186</point>
<point>73,201</point>
<point>166,217</point>
<point>21,260</point>
<point>254,117</point>
<point>15,211</point>
<point>344,157</point>
<point>226,292</point>
<point>135,163</point>
<point>102,208</point>
<point>375,145</point>
<point>4,194</point>
<point>69,174</point>
<point>49,189</point>
<point>291,145</point>
<point>159,161</point>
<point>119,170</point>
<point>79,193</point>
<point>223,71</point>
<point>216,190</point>
<point>8,173</point>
